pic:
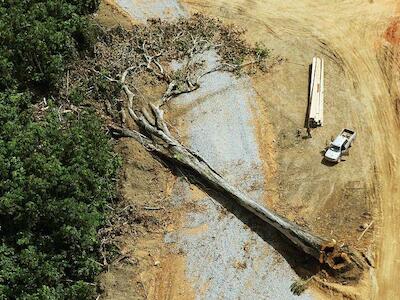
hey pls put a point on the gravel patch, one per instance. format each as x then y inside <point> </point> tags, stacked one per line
<point>145,9</point>
<point>228,260</point>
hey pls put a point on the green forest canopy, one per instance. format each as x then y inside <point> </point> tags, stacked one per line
<point>56,174</point>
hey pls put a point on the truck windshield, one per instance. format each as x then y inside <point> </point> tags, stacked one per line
<point>334,148</point>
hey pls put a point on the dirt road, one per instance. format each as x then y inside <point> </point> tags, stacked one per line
<point>141,10</point>
<point>349,34</point>
<point>361,93</point>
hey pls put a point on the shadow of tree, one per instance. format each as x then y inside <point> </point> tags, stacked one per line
<point>303,264</point>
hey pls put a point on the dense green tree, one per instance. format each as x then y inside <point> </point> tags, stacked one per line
<point>39,37</point>
<point>55,179</point>
<point>55,175</point>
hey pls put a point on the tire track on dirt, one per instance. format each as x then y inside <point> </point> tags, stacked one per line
<point>352,31</point>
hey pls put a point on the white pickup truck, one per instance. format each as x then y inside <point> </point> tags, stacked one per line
<point>340,145</point>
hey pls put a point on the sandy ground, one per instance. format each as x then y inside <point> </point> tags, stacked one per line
<point>145,270</point>
<point>227,256</point>
<point>360,92</point>
<point>223,258</point>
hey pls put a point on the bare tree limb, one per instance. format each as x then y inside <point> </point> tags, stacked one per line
<point>147,53</point>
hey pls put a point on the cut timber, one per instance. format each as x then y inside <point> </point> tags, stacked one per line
<point>316,99</point>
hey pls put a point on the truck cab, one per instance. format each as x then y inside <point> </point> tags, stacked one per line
<point>339,145</point>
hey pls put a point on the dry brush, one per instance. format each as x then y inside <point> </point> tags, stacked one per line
<point>135,67</point>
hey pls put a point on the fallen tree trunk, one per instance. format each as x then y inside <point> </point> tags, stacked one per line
<point>340,259</point>
<point>157,138</point>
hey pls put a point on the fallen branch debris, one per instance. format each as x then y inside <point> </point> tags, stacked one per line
<point>365,230</point>
<point>124,59</point>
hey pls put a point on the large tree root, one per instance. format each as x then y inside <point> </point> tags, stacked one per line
<point>338,259</point>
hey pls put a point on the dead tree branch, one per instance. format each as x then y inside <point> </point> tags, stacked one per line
<point>327,252</point>
<point>160,141</point>
<point>159,42</point>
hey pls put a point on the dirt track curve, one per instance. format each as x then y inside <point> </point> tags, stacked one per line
<point>362,93</point>
<point>351,33</point>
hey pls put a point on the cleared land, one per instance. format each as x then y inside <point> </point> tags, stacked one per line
<point>360,52</point>
<point>361,91</point>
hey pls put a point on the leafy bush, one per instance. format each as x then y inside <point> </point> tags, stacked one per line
<point>55,179</point>
<point>55,176</point>
<point>39,37</point>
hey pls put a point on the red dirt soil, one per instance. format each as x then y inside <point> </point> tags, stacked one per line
<point>392,33</point>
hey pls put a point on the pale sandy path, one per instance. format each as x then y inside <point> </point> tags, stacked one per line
<point>141,10</point>
<point>225,259</point>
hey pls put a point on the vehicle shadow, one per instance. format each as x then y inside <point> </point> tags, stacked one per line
<point>331,163</point>
<point>324,161</point>
<point>328,163</point>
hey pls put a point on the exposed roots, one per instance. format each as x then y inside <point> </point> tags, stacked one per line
<point>299,286</point>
